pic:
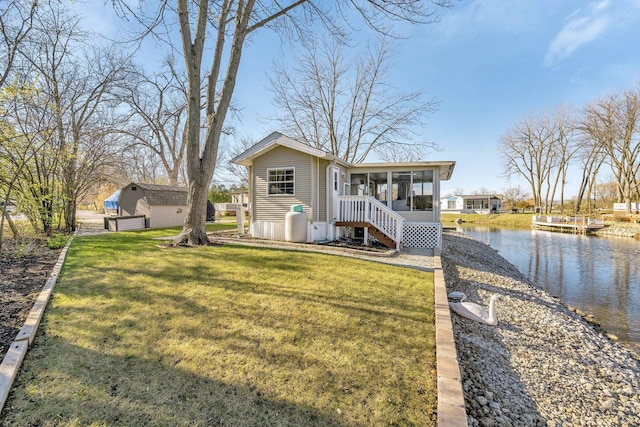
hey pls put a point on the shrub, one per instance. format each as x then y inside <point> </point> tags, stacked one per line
<point>57,241</point>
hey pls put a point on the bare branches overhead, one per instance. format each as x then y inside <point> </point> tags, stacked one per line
<point>344,103</point>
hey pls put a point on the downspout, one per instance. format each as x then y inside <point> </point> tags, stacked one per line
<point>251,201</point>
<point>331,229</point>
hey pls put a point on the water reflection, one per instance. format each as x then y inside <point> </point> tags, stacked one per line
<point>599,275</point>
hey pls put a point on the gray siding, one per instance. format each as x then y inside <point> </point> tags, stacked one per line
<point>275,207</point>
<point>130,200</point>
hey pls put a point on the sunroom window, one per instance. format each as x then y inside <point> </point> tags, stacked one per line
<point>281,181</point>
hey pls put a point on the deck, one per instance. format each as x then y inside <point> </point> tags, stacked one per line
<point>573,224</point>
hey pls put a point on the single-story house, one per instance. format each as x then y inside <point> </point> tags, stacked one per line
<point>622,207</point>
<point>477,203</point>
<point>240,198</point>
<point>395,203</point>
<point>160,205</point>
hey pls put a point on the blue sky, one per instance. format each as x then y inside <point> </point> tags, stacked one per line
<point>490,63</point>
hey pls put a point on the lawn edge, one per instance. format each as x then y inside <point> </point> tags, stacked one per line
<point>451,408</point>
<point>18,349</point>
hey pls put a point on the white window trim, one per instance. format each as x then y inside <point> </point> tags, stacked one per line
<point>281,169</point>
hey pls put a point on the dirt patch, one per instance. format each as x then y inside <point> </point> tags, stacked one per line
<point>25,266</point>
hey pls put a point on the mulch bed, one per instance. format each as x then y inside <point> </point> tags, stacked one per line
<point>25,266</point>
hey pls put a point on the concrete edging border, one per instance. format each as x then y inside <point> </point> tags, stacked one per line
<point>451,408</point>
<point>18,348</point>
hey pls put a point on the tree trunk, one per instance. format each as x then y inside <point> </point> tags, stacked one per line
<point>4,214</point>
<point>195,221</point>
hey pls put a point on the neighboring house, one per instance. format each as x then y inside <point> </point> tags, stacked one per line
<point>225,208</point>
<point>395,203</point>
<point>160,205</point>
<point>622,207</point>
<point>477,203</point>
<point>240,198</point>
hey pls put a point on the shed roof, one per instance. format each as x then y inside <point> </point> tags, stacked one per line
<point>162,195</point>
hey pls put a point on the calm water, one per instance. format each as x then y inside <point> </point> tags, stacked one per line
<point>599,275</point>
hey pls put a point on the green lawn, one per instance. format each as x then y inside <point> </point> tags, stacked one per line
<point>140,334</point>
<point>506,219</point>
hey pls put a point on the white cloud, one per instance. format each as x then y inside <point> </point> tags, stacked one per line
<point>467,21</point>
<point>581,28</point>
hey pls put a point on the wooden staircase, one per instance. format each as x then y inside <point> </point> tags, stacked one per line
<point>368,212</point>
<point>372,230</point>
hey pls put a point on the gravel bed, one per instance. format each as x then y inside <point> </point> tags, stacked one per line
<point>542,365</point>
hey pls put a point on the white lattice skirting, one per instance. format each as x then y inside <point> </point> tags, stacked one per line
<point>422,235</point>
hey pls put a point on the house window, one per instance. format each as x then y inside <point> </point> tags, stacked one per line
<point>412,191</point>
<point>378,186</point>
<point>359,184</point>
<point>451,204</point>
<point>422,190</point>
<point>401,191</point>
<point>281,181</point>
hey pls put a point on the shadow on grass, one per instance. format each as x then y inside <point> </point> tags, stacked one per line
<point>138,392</point>
<point>136,332</point>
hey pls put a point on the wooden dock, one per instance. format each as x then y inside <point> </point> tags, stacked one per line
<point>573,224</point>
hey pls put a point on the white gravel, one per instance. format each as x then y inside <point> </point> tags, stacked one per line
<point>542,364</point>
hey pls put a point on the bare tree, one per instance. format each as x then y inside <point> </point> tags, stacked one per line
<point>15,153</point>
<point>513,196</point>
<point>607,193</point>
<point>591,156</point>
<point>230,22</point>
<point>564,147</point>
<point>241,173</point>
<point>527,151</point>
<point>613,124</point>
<point>32,156</point>
<point>15,24</point>
<point>158,105</point>
<point>539,149</point>
<point>142,165</point>
<point>75,110</point>
<point>344,104</point>
<point>16,20</point>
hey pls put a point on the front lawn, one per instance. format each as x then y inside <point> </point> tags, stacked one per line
<point>140,334</point>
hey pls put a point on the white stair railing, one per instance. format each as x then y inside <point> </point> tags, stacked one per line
<point>371,210</point>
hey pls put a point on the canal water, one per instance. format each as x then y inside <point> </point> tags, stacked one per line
<point>599,275</point>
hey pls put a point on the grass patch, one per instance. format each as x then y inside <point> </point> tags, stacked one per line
<point>137,334</point>
<point>519,220</point>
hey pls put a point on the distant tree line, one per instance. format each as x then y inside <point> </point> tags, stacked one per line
<point>603,136</point>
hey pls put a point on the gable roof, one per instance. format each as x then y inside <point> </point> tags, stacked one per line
<point>445,168</point>
<point>277,139</point>
<point>162,195</point>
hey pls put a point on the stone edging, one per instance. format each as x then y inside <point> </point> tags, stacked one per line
<point>18,348</point>
<point>451,409</point>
